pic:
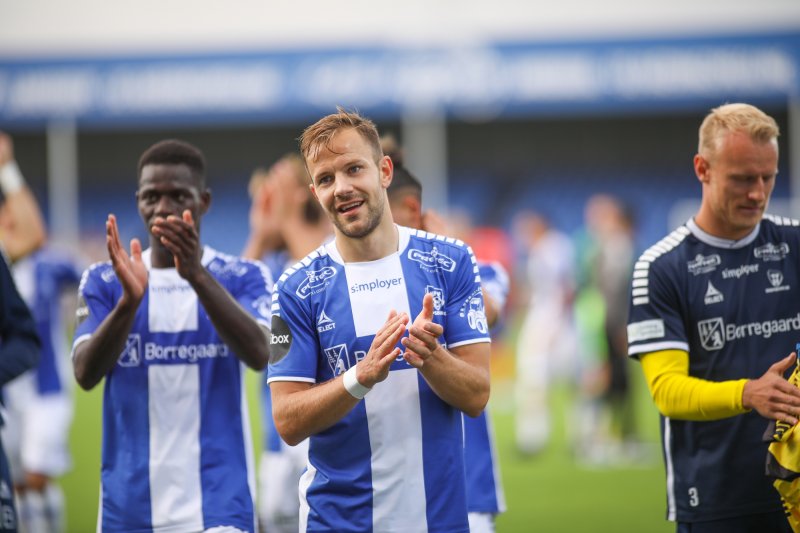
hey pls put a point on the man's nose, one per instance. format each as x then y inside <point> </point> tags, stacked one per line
<point>343,186</point>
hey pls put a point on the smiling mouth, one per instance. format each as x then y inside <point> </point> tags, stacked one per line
<point>349,207</point>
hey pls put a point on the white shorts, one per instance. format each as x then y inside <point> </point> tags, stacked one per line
<point>35,431</point>
<point>481,522</point>
<point>279,480</point>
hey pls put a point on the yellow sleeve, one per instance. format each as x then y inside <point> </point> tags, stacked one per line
<point>678,395</point>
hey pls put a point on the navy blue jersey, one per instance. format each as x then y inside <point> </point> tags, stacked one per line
<point>19,343</point>
<point>395,462</point>
<point>733,306</point>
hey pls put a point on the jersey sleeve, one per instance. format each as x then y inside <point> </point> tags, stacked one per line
<point>294,349</point>
<point>654,321</point>
<point>494,280</point>
<point>466,316</point>
<point>255,292</point>
<point>95,301</point>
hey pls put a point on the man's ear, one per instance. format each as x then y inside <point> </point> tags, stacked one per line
<point>701,168</point>
<point>413,204</point>
<point>205,201</point>
<point>386,168</point>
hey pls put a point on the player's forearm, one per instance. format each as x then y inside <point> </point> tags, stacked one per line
<point>95,357</point>
<point>462,383</point>
<point>680,396</point>
<point>238,329</point>
<point>26,231</point>
<point>301,410</point>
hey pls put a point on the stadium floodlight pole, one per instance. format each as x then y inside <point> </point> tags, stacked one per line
<point>62,180</point>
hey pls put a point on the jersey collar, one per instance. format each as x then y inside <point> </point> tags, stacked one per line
<point>403,234</point>
<point>720,242</point>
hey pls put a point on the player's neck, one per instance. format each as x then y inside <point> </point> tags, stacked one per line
<point>383,241</point>
<point>715,227</point>
<point>160,257</point>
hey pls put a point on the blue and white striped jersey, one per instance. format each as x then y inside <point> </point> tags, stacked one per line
<point>41,279</point>
<point>484,488</point>
<point>733,306</point>
<point>177,450</point>
<point>395,462</point>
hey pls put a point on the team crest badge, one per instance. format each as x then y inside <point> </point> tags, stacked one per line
<point>438,299</point>
<point>338,359</point>
<point>132,353</point>
<point>712,333</point>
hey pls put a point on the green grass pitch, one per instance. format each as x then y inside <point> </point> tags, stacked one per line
<point>545,493</point>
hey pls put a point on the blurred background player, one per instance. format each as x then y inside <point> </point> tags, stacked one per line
<point>485,499</point>
<point>22,227</point>
<point>286,224</point>
<point>546,342</point>
<point>606,431</point>
<point>38,404</point>
<point>21,232</point>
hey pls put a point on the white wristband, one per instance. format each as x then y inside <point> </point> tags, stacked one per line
<point>11,179</point>
<point>351,384</point>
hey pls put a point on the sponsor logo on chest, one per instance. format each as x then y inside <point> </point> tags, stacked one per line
<point>738,272</point>
<point>702,264</point>
<point>433,260</point>
<point>714,332</point>
<point>772,252</point>
<point>316,281</point>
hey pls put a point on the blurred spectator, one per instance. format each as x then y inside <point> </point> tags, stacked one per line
<point>546,340</point>
<point>286,224</point>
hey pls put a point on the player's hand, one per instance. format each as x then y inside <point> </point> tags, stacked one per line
<point>423,339</point>
<point>374,368</point>
<point>179,236</point>
<point>772,396</point>
<point>6,149</point>
<point>130,270</point>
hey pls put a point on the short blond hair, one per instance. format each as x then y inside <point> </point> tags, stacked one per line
<point>735,117</point>
<point>320,134</point>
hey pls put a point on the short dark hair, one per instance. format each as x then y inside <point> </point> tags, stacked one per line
<point>176,152</point>
<point>403,181</point>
